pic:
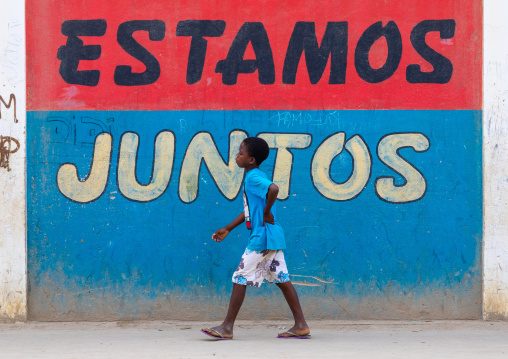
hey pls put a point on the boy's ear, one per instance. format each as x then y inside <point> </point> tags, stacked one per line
<point>252,160</point>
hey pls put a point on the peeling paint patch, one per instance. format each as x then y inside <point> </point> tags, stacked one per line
<point>495,301</point>
<point>12,306</point>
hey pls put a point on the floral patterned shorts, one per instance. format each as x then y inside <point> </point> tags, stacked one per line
<point>256,266</point>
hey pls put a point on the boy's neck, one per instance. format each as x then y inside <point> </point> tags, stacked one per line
<point>248,168</point>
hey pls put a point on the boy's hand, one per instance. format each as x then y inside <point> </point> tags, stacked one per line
<point>220,234</point>
<point>268,218</point>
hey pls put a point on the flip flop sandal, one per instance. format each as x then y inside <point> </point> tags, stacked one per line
<point>293,336</point>
<point>218,336</point>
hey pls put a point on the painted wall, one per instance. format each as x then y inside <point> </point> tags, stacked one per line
<point>12,162</point>
<point>135,114</point>
<point>495,169</point>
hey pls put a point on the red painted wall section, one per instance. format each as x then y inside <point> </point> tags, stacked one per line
<point>48,91</point>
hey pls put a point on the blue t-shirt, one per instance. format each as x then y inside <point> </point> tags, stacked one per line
<point>270,236</point>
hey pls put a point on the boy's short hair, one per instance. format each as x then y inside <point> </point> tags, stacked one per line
<point>257,148</point>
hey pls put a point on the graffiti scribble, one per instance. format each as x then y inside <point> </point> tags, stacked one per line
<point>8,145</point>
<point>80,132</point>
<point>12,99</point>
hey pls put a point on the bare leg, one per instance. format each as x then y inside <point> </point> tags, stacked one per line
<point>300,327</point>
<point>226,328</point>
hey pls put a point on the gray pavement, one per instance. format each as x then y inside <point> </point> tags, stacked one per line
<point>330,339</point>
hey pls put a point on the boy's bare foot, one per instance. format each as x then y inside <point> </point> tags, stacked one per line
<point>219,332</point>
<point>298,331</point>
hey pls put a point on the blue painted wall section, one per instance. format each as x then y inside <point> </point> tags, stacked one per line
<point>388,226</point>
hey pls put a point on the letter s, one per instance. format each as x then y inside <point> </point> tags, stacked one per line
<point>443,67</point>
<point>156,32</point>
<point>414,186</point>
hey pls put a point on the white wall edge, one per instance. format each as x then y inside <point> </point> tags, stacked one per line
<point>495,161</point>
<point>13,254</point>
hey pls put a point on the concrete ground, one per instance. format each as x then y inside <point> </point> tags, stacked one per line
<point>330,339</point>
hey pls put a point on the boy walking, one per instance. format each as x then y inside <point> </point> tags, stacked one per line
<point>263,258</point>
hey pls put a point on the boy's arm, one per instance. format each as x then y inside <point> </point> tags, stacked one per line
<point>220,234</point>
<point>271,196</point>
